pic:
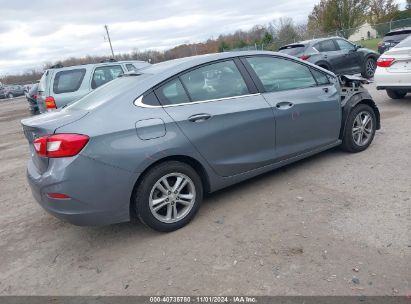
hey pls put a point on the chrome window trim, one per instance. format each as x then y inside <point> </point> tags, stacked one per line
<point>139,101</point>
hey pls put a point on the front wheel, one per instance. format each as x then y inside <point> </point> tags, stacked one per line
<point>396,94</point>
<point>360,129</point>
<point>369,67</point>
<point>168,196</point>
<point>10,95</point>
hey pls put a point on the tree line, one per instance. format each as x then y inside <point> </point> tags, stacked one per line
<point>327,16</point>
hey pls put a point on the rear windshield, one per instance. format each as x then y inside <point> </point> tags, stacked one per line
<point>292,50</point>
<point>43,81</point>
<point>105,93</point>
<point>397,36</point>
<point>68,81</point>
<point>405,43</point>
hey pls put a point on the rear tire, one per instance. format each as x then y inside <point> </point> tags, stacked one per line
<point>359,129</point>
<point>10,95</point>
<point>396,94</point>
<point>368,70</point>
<point>160,189</point>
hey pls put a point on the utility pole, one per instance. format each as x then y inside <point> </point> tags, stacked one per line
<point>109,40</point>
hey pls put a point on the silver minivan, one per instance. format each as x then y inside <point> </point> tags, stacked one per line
<point>63,85</point>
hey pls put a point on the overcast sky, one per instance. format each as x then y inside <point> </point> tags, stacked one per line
<point>34,32</point>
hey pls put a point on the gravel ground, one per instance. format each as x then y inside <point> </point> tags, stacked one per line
<point>333,224</point>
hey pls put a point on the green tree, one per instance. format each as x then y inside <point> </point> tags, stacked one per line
<point>335,15</point>
<point>267,39</point>
<point>382,11</point>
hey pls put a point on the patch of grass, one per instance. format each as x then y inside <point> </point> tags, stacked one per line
<point>369,44</point>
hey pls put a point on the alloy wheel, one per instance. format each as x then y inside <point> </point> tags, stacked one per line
<point>370,67</point>
<point>362,129</point>
<point>172,197</point>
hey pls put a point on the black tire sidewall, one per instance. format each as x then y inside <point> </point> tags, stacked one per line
<point>364,71</point>
<point>142,194</point>
<point>396,94</point>
<point>348,141</point>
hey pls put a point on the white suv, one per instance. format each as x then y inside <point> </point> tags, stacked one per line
<point>394,70</point>
<point>61,85</point>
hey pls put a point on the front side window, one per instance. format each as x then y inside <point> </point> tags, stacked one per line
<point>345,45</point>
<point>104,74</point>
<point>321,77</point>
<point>277,74</point>
<point>215,81</point>
<point>68,81</point>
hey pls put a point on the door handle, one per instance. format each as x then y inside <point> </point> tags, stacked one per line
<point>199,117</point>
<point>325,90</point>
<point>284,105</point>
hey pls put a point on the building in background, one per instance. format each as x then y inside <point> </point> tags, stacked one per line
<point>364,32</point>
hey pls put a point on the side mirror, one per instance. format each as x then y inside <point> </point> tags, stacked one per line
<point>357,46</point>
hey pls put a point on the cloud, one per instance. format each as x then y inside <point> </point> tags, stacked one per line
<point>35,32</point>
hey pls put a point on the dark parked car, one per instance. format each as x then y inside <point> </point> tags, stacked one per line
<point>32,99</point>
<point>10,91</point>
<point>150,143</point>
<point>392,38</point>
<point>335,54</point>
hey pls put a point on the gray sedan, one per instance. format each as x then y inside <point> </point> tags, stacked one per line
<point>150,143</point>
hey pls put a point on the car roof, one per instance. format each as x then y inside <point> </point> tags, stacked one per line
<point>91,65</point>
<point>178,65</point>
<point>164,70</point>
<point>399,30</point>
<point>313,41</point>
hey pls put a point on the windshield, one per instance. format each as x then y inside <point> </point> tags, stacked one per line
<point>105,93</point>
<point>293,50</point>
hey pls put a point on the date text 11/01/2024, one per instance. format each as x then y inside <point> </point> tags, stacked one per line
<point>203,299</point>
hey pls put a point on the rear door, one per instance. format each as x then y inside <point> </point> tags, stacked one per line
<point>104,74</point>
<point>218,108</point>
<point>330,54</point>
<point>306,104</point>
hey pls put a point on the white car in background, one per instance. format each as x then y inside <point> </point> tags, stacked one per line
<point>393,72</point>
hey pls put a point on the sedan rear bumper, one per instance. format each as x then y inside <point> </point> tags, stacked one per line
<point>99,194</point>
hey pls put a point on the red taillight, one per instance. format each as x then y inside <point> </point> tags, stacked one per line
<point>305,57</point>
<point>50,102</point>
<point>34,96</point>
<point>385,62</point>
<point>60,145</point>
<point>58,195</point>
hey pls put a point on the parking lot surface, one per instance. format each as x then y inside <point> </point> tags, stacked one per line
<point>333,224</point>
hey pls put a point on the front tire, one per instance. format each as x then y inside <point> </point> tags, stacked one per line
<point>360,129</point>
<point>10,95</point>
<point>168,196</point>
<point>396,94</point>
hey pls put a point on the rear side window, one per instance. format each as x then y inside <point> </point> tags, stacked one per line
<point>68,81</point>
<point>104,74</point>
<point>326,46</point>
<point>320,77</point>
<point>172,93</point>
<point>277,74</point>
<point>215,81</point>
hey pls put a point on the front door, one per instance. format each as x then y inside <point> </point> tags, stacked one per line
<point>306,104</point>
<point>231,126</point>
